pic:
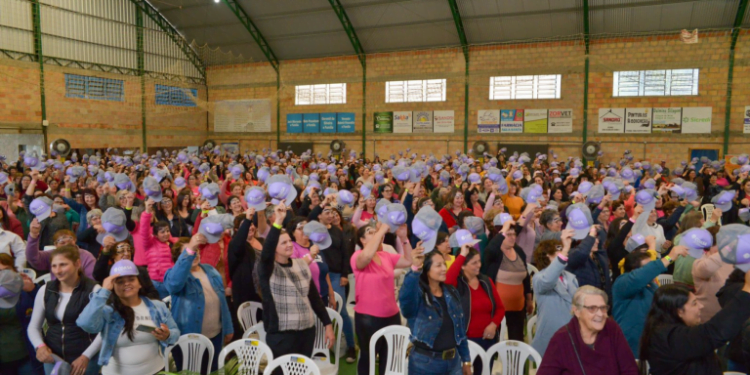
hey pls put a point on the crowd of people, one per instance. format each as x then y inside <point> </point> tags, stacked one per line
<point>454,244</point>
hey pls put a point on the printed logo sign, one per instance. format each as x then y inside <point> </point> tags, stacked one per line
<point>488,121</point>
<point>383,122</point>
<point>667,120</point>
<point>638,120</point>
<point>611,120</point>
<point>294,123</point>
<point>535,121</point>
<point>747,120</point>
<point>696,120</point>
<point>402,122</point>
<point>423,122</point>
<point>345,122</point>
<point>560,121</point>
<point>327,122</point>
<point>444,121</point>
<point>511,121</point>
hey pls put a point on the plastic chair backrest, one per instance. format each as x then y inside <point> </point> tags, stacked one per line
<point>707,210</point>
<point>46,278</point>
<point>249,354</point>
<point>193,345</point>
<point>397,341</point>
<point>247,314</point>
<point>258,330</point>
<point>29,272</point>
<point>665,279</point>
<point>476,351</point>
<point>531,328</point>
<point>320,348</point>
<point>503,331</point>
<point>293,364</point>
<point>168,301</point>
<point>339,302</point>
<point>513,355</point>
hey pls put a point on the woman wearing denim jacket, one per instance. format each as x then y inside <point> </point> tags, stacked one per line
<point>192,301</point>
<point>437,320</point>
<point>125,349</point>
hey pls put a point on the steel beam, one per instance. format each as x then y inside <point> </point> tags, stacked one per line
<point>141,73</point>
<point>465,47</point>
<point>36,13</point>
<point>244,18</point>
<point>741,9</point>
<point>586,42</point>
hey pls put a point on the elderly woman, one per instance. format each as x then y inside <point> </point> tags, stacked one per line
<point>554,288</point>
<point>590,343</point>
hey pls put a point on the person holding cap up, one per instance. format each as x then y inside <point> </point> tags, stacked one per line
<point>197,291</point>
<point>134,328</point>
<point>290,301</point>
<point>155,241</point>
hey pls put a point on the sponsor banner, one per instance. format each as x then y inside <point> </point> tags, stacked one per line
<point>294,123</point>
<point>422,122</point>
<point>311,122</point>
<point>535,121</point>
<point>747,120</point>
<point>560,121</point>
<point>488,121</point>
<point>667,120</point>
<point>638,120</point>
<point>611,120</point>
<point>511,121</point>
<point>328,122</point>
<point>345,122</point>
<point>383,122</point>
<point>402,121</point>
<point>444,121</point>
<point>696,120</point>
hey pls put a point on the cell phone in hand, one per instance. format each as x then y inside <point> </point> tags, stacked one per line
<point>144,328</point>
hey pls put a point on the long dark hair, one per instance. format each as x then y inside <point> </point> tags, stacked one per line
<point>614,229</point>
<point>126,312</point>
<point>668,299</point>
<point>5,221</point>
<point>424,282</point>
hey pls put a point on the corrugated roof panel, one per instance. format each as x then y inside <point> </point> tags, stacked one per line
<point>409,37</point>
<point>260,9</point>
<point>646,18</point>
<point>518,28</point>
<point>299,25</point>
<point>197,17</point>
<point>713,14</point>
<point>673,16</point>
<point>471,8</point>
<point>398,13</point>
<point>314,46</point>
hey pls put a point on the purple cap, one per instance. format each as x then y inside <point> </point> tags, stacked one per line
<point>210,192</point>
<point>697,240</point>
<point>425,226</point>
<point>634,242</point>
<point>584,187</point>
<point>124,268</point>
<point>41,208</point>
<point>256,198</point>
<point>723,200</point>
<point>733,241</point>
<point>213,227</point>
<point>475,178</point>
<point>3,178</point>
<point>646,199</point>
<point>318,234</point>
<point>401,174</point>
<point>280,187</point>
<point>678,190</point>
<point>152,188</point>
<point>394,216</point>
<point>517,175</point>
<point>462,237</point>
<point>346,198</point>
<point>366,190</point>
<point>627,174</point>
<point>501,218</point>
<point>180,182</point>
<point>577,220</point>
<point>574,172</point>
<point>263,174</point>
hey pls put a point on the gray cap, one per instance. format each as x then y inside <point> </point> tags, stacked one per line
<point>13,283</point>
<point>501,218</point>
<point>596,194</point>
<point>425,226</point>
<point>733,241</point>
<point>256,198</point>
<point>381,207</point>
<point>474,224</point>
<point>280,187</point>
<point>152,188</point>
<point>213,227</point>
<point>579,219</point>
<point>113,222</point>
<point>318,234</point>
<point>395,216</point>
<point>210,192</point>
<point>122,181</point>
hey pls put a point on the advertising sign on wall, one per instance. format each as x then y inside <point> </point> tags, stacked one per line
<point>328,122</point>
<point>611,120</point>
<point>311,122</point>
<point>422,122</point>
<point>345,122</point>
<point>667,120</point>
<point>511,121</point>
<point>402,121</point>
<point>638,120</point>
<point>696,120</point>
<point>444,121</point>
<point>383,122</point>
<point>535,121</point>
<point>747,120</point>
<point>294,123</point>
<point>560,121</point>
<point>488,121</point>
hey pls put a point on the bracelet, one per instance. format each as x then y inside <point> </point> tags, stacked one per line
<point>277,226</point>
<point>205,211</point>
<point>668,258</point>
<point>415,268</point>
<point>468,364</point>
<point>41,345</point>
<point>190,252</point>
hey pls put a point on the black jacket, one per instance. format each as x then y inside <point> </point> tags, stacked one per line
<point>242,259</point>
<point>676,349</point>
<point>494,258</point>
<point>739,347</point>
<point>464,290</point>
<point>64,337</point>
<point>591,271</point>
<point>616,249</point>
<point>336,257</point>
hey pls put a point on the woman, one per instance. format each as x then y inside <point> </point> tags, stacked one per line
<point>590,343</point>
<point>634,290</point>
<point>154,243</point>
<point>243,254</point>
<point>618,210</point>
<point>375,296</point>
<point>479,298</point>
<point>710,273</point>
<point>234,206</point>
<point>168,213</point>
<point>455,203</point>
<point>738,351</point>
<point>473,203</point>
<point>506,264</point>
<point>126,349</point>
<point>185,208</point>
<point>683,267</point>
<point>675,342</point>
<point>10,223</point>
<point>558,195</point>
<point>197,292</point>
<point>438,321</point>
<point>554,288</point>
<point>513,202</point>
<point>17,293</point>
<point>305,249</point>
<point>59,303</point>
<point>285,286</point>
<point>365,212</point>
<point>113,252</point>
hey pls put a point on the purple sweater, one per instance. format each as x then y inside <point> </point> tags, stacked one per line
<point>611,354</point>
<point>40,260</point>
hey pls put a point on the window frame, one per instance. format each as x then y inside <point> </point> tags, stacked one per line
<point>174,96</point>
<point>94,88</point>
<point>639,85</point>
<point>416,91</point>
<point>324,91</point>
<point>525,87</point>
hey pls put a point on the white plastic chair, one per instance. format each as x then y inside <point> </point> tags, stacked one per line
<point>247,314</point>
<point>397,340</point>
<point>339,302</point>
<point>513,355</point>
<point>293,364</point>
<point>476,351</point>
<point>168,301</point>
<point>46,278</point>
<point>258,330</point>
<point>249,352</point>
<point>665,279</point>
<point>321,354</point>
<point>734,373</point>
<point>29,272</point>
<point>503,331</point>
<point>530,328</point>
<point>192,345</point>
<point>708,209</point>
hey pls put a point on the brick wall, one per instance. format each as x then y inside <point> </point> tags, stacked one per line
<point>118,123</point>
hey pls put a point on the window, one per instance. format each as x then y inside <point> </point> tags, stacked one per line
<point>176,96</point>
<point>673,82</point>
<point>86,87</point>
<point>428,90</point>
<point>525,87</point>
<point>330,93</point>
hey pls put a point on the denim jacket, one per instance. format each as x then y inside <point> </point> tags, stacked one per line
<point>425,320</point>
<point>188,303</point>
<point>99,317</point>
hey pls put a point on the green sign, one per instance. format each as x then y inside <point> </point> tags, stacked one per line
<point>383,122</point>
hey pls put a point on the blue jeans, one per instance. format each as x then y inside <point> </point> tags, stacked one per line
<point>91,369</point>
<point>348,330</point>
<point>420,364</point>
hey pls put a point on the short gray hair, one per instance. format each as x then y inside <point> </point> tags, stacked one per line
<point>269,211</point>
<point>91,214</point>
<point>588,290</point>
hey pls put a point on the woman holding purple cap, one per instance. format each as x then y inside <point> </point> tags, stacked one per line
<point>455,204</point>
<point>134,328</point>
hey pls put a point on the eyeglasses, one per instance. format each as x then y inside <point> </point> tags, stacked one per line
<point>387,190</point>
<point>594,309</point>
<point>64,239</point>
<point>557,219</point>
<point>123,249</point>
